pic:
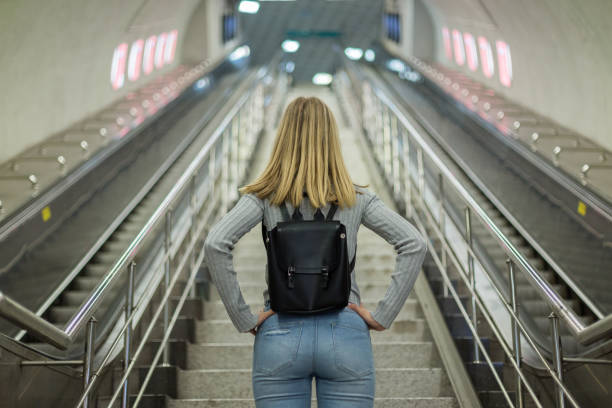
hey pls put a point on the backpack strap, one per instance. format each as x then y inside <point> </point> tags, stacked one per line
<point>318,215</point>
<point>331,212</point>
<point>285,212</point>
<point>264,234</point>
<point>352,264</point>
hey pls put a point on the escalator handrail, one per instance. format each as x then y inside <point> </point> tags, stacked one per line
<point>39,327</point>
<point>51,334</point>
<point>584,334</point>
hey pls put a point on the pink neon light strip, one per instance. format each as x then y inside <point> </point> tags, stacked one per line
<point>117,76</point>
<point>135,60</point>
<point>447,43</point>
<point>504,61</point>
<point>471,51</point>
<point>149,54</point>
<point>170,46</point>
<point>159,50</point>
<point>486,57</point>
<point>458,47</point>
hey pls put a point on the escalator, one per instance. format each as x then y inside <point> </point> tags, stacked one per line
<point>505,188</point>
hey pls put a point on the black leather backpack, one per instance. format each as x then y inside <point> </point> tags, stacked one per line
<point>308,268</point>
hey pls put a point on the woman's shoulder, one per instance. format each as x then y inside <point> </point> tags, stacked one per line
<point>363,193</point>
<point>260,202</point>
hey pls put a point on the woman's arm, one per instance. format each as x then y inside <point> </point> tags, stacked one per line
<point>218,247</point>
<point>410,247</point>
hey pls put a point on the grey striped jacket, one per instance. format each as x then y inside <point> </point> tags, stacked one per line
<point>368,210</point>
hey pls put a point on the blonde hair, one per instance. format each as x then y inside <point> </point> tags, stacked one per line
<point>306,156</point>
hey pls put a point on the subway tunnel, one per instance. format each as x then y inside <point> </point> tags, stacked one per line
<point>128,128</point>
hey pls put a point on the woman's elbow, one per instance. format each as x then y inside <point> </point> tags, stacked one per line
<point>210,246</point>
<point>421,245</point>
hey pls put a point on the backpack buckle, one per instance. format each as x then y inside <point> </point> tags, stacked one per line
<point>291,276</point>
<point>324,276</point>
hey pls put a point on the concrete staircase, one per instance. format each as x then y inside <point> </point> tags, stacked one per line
<point>218,363</point>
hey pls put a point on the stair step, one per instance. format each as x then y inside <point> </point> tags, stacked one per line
<point>440,402</point>
<point>254,292</point>
<point>216,331</point>
<point>237,383</point>
<point>217,310</point>
<point>398,354</point>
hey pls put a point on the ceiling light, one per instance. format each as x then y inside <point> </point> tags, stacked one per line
<point>396,65</point>
<point>353,53</point>
<point>247,6</point>
<point>369,55</point>
<point>322,78</point>
<point>290,45</point>
<point>240,52</point>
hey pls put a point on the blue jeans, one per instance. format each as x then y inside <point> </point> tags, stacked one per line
<point>335,347</point>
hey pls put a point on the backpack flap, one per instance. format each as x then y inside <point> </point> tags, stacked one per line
<point>308,244</point>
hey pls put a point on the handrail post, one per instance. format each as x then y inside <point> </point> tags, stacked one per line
<point>127,339</point>
<point>407,181</point>
<point>396,134</point>
<point>516,336</point>
<point>442,225</point>
<point>470,262</point>
<point>225,157</point>
<point>192,230</point>
<point>557,357</point>
<point>421,174</point>
<point>89,357</point>
<point>167,265</point>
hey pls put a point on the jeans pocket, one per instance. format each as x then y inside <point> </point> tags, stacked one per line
<point>355,320</point>
<point>352,350</point>
<point>276,347</point>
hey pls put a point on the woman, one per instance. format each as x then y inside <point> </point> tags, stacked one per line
<point>334,347</point>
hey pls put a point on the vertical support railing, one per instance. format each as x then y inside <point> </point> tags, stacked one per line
<point>421,174</point>
<point>89,357</point>
<point>516,334</point>
<point>470,264</point>
<point>442,225</point>
<point>193,204</point>
<point>386,147</point>
<point>167,273</point>
<point>557,357</point>
<point>127,339</point>
<point>375,105</point>
<point>396,134</point>
<point>211,170</point>
<point>407,181</point>
<point>224,173</point>
<point>234,159</point>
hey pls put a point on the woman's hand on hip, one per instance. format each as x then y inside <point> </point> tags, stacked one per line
<point>367,316</point>
<point>260,318</point>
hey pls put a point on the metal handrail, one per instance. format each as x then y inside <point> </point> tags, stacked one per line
<point>584,334</point>
<point>468,276</point>
<point>39,327</point>
<point>555,301</point>
<point>385,147</point>
<point>51,334</point>
<point>224,155</point>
